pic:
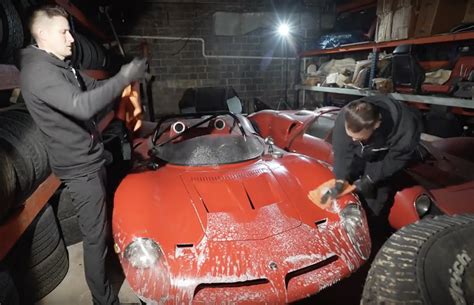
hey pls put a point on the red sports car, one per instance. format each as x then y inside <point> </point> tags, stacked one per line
<point>216,214</point>
<point>440,182</point>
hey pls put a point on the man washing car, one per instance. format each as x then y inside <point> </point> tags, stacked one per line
<point>63,103</point>
<point>373,139</point>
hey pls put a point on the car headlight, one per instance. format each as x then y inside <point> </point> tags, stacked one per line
<point>422,205</point>
<point>354,222</point>
<point>143,253</point>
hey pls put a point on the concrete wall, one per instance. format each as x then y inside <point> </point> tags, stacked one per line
<point>180,64</point>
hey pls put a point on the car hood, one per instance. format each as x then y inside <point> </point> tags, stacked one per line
<point>249,203</point>
<point>246,201</point>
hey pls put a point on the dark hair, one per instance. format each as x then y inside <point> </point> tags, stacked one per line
<point>360,114</point>
<point>49,11</point>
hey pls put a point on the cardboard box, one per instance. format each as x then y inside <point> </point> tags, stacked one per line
<point>396,19</point>
<point>404,21</point>
<point>384,20</point>
<point>469,16</point>
<point>439,16</point>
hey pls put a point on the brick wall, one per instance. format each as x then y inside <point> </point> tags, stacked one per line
<point>180,64</point>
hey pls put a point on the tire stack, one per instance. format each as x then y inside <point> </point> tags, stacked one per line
<point>88,54</point>
<point>12,33</point>
<point>39,259</point>
<point>24,159</point>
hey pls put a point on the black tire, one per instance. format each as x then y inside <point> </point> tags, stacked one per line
<point>8,292</point>
<point>429,262</point>
<point>7,182</point>
<point>88,54</point>
<point>39,240</point>
<point>23,141</point>
<point>71,231</point>
<point>12,31</point>
<point>47,275</point>
<point>67,217</point>
<point>39,258</point>
<point>32,137</point>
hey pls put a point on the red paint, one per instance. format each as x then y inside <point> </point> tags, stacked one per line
<point>236,233</point>
<point>446,175</point>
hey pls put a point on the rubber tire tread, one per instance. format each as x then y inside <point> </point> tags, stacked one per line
<point>88,54</point>
<point>68,221</point>
<point>13,34</point>
<point>7,183</point>
<point>71,231</point>
<point>23,170</point>
<point>47,275</point>
<point>392,277</point>
<point>39,240</point>
<point>33,138</point>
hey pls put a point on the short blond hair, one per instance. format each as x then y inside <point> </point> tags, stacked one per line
<point>48,11</point>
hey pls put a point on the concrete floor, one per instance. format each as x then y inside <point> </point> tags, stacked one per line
<point>73,289</point>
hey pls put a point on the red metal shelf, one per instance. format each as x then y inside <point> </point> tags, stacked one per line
<point>16,224</point>
<point>368,46</point>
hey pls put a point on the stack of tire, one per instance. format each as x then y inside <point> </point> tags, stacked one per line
<point>14,33</point>
<point>88,54</point>
<point>24,161</point>
<point>36,265</point>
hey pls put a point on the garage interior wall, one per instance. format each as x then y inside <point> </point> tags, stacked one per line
<point>180,64</point>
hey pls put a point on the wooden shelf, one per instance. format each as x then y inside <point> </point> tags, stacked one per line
<point>425,99</point>
<point>368,46</point>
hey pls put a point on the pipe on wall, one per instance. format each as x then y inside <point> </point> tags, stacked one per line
<point>203,47</point>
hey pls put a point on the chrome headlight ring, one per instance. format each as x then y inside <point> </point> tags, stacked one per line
<point>142,253</point>
<point>354,222</point>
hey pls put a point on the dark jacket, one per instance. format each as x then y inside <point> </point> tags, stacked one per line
<point>63,106</point>
<point>389,148</point>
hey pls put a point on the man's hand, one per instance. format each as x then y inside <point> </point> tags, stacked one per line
<point>365,186</point>
<point>333,192</point>
<point>134,70</point>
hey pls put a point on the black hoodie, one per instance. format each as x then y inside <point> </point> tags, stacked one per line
<point>63,106</point>
<point>389,148</point>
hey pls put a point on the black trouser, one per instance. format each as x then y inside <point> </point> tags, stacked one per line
<point>88,193</point>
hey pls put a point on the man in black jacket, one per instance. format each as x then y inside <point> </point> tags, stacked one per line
<point>373,139</point>
<point>63,103</point>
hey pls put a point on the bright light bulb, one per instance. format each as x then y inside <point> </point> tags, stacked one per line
<point>284,29</point>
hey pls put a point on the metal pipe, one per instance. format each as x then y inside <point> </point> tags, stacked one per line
<point>106,11</point>
<point>203,47</point>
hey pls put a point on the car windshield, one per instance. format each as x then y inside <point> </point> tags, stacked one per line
<point>211,149</point>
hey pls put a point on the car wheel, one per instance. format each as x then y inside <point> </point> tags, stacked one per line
<point>428,262</point>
